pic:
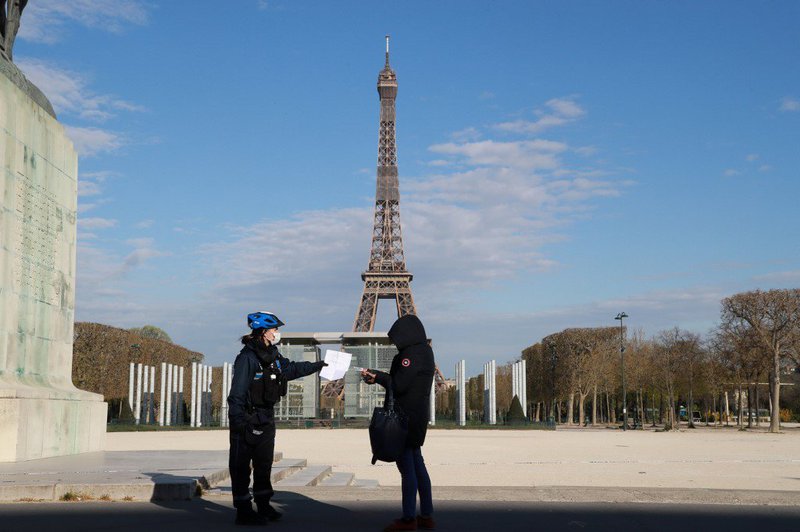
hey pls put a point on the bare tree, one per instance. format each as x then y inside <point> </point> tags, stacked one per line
<point>694,358</point>
<point>773,318</point>
<point>670,351</point>
<point>587,349</point>
<point>639,372</point>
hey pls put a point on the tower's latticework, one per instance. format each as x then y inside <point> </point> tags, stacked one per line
<point>386,276</point>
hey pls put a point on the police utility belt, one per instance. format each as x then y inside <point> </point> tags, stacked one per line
<point>267,387</point>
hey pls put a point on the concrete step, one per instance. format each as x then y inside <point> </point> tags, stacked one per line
<point>287,467</point>
<point>308,476</point>
<point>365,483</point>
<point>216,478</point>
<point>337,479</point>
<point>280,470</point>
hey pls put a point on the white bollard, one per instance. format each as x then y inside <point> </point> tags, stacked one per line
<point>515,385</point>
<point>202,394</point>
<point>181,401</point>
<point>223,406</point>
<point>461,403</point>
<point>489,397</point>
<point>137,411</point>
<point>145,389</point>
<point>523,385</point>
<point>152,396</point>
<point>130,387</point>
<point>493,392</point>
<point>176,392</point>
<point>210,402</point>
<point>519,385</point>
<point>168,406</point>
<point>162,406</point>
<point>193,409</point>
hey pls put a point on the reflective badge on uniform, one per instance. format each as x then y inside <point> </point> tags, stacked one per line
<point>406,362</point>
<point>258,376</point>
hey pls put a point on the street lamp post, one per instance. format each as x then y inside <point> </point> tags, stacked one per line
<point>620,317</point>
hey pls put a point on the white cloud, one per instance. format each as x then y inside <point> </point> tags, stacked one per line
<point>730,172</point>
<point>466,135</point>
<point>44,20</point>
<point>565,107</point>
<point>526,126</point>
<point>69,94</point>
<point>789,104</point>
<point>88,188</point>
<point>532,154</point>
<point>145,224</point>
<point>91,141</point>
<point>764,168</point>
<point>586,151</point>
<point>143,250</point>
<point>751,157</point>
<point>791,276</point>
<point>560,111</point>
<point>105,290</point>
<point>96,223</point>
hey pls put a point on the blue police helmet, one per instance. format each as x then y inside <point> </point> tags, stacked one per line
<point>263,320</point>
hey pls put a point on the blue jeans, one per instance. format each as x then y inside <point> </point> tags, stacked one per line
<point>415,479</point>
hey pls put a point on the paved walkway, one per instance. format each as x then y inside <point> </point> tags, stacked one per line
<point>715,466</point>
<point>704,458</point>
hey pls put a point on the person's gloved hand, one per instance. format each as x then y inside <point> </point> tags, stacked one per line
<point>318,365</point>
<point>368,376</point>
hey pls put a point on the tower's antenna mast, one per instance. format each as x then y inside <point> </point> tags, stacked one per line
<point>387,50</point>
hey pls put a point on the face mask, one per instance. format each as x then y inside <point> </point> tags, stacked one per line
<point>276,339</point>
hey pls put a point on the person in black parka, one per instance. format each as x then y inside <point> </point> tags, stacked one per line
<point>410,378</point>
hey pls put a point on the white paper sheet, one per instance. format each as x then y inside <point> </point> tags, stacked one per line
<point>338,364</point>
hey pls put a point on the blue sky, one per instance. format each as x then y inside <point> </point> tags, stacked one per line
<point>559,161</point>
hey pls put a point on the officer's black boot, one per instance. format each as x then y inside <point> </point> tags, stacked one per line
<point>245,515</point>
<point>265,509</point>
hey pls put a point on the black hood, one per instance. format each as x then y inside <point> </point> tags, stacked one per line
<point>407,331</point>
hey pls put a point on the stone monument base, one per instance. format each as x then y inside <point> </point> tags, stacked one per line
<point>38,424</point>
<point>42,414</point>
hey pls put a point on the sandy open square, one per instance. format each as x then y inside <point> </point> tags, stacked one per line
<point>702,458</point>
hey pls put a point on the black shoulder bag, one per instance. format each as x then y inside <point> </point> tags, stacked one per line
<point>387,431</point>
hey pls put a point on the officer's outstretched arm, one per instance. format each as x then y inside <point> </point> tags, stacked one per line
<point>295,370</point>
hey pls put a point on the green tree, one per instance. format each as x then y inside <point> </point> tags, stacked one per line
<point>152,332</point>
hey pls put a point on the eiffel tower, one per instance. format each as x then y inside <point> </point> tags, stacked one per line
<point>386,276</point>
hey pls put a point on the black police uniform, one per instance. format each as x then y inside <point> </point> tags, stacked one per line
<point>260,377</point>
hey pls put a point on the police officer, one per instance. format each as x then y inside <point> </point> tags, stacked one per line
<point>260,377</point>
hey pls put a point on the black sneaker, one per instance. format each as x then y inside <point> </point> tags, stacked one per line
<point>266,510</point>
<point>248,517</point>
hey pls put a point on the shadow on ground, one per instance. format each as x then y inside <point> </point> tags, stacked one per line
<point>303,513</point>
